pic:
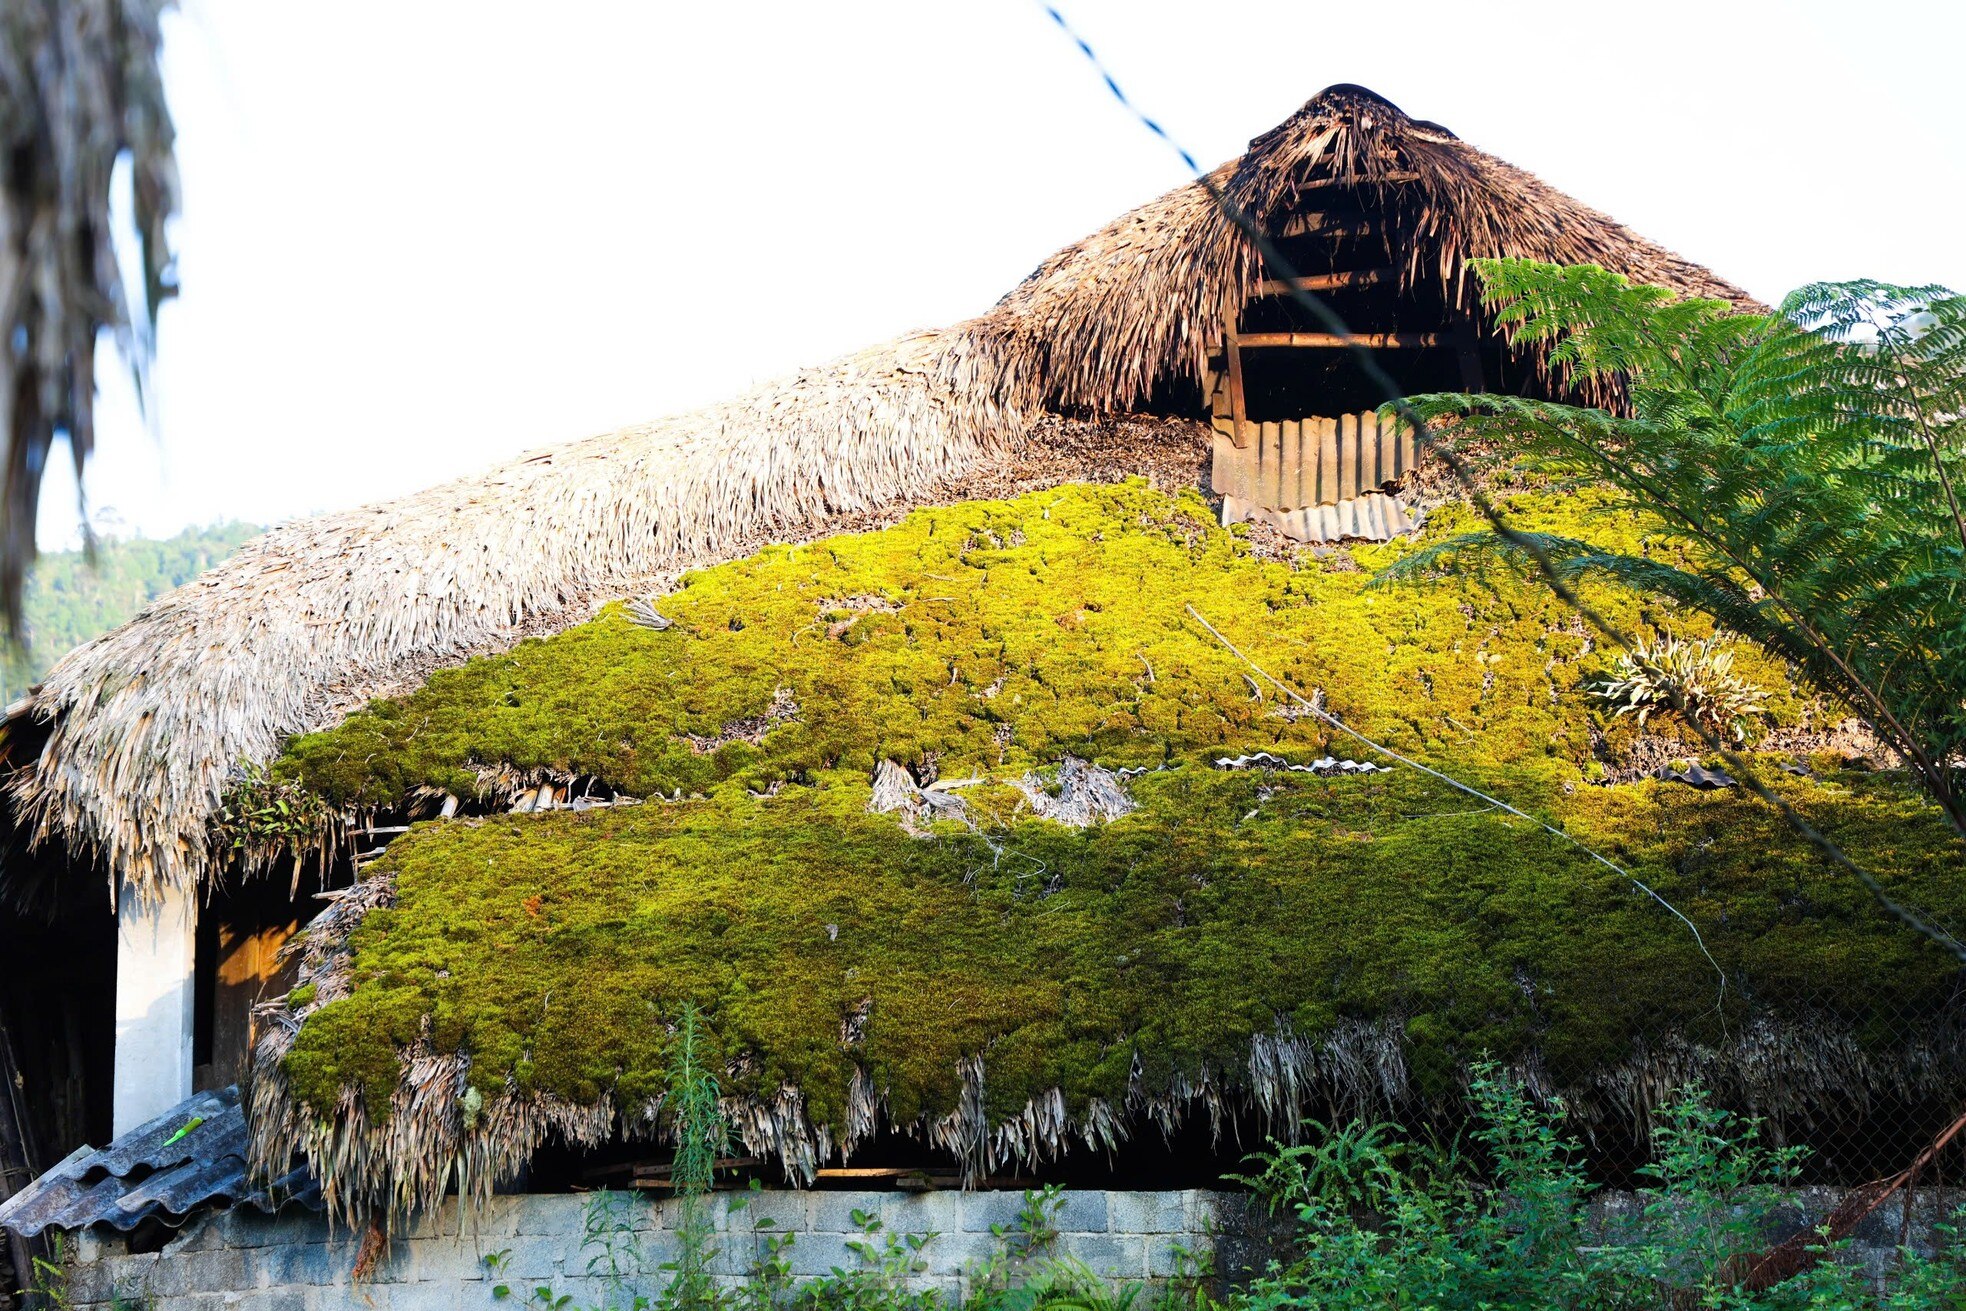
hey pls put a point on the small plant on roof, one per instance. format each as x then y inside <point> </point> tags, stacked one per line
<point>1646,678</point>
<point>262,816</point>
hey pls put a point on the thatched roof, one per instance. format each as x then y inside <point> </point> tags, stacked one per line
<point>964,831</point>
<point>121,755</point>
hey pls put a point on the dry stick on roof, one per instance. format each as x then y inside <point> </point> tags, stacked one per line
<point>1281,269</point>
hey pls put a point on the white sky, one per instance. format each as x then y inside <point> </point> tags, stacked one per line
<point>420,236</point>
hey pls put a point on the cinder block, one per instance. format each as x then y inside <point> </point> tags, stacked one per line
<point>1147,1212</point>
<point>1171,1256</point>
<point>1081,1211</point>
<point>984,1209</point>
<point>535,1258</point>
<point>955,1253</point>
<point>787,1209</point>
<point>91,1279</point>
<point>296,1263</point>
<point>249,1227</point>
<point>925,1213</point>
<point>834,1212</point>
<point>1121,1256</point>
<point>275,1299</point>
<point>435,1295</point>
<point>201,1235</point>
<point>816,1253</point>
<point>223,1270</point>
<point>548,1213</point>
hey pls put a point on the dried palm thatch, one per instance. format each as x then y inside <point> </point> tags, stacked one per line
<point>122,753</point>
<point>79,90</point>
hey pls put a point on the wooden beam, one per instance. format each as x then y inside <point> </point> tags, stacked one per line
<point>1331,341</point>
<point>1355,179</point>
<point>1299,225</point>
<point>1323,281</point>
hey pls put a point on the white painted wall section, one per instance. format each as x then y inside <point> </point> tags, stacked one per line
<point>156,952</point>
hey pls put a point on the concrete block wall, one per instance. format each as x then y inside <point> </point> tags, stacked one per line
<point>294,1262</point>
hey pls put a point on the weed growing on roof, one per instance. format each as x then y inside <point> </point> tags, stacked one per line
<point>1643,682</point>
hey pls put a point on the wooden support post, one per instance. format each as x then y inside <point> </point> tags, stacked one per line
<point>1238,410</point>
<point>1467,351</point>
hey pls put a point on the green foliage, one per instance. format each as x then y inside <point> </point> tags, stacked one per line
<point>701,1135</point>
<point>880,1281</point>
<point>1681,677</point>
<point>260,816</point>
<point>1802,467</point>
<point>549,946</point>
<point>1347,1167</point>
<point>1524,1238</point>
<point>69,600</point>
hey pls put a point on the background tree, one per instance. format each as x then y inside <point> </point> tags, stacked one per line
<point>1803,468</point>
<point>80,92</point>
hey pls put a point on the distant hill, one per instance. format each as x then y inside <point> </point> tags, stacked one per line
<point>69,600</point>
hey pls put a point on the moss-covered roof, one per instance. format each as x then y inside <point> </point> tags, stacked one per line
<point>833,949</point>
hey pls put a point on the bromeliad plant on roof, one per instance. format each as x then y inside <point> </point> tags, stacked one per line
<point>1805,468</point>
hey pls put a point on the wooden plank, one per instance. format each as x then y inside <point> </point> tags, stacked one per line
<point>1328,341</point>
<point>1238,412</point>
<point>1323,281</point>
<point>1327,462</point>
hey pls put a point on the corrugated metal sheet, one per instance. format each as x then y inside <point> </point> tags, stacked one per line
<point>159,1169</point>
<point>1374,518</point>
<point>1318,461</point>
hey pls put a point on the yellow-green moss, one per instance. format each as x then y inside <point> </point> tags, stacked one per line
<point>1058,617</point>
<point>993,637</point>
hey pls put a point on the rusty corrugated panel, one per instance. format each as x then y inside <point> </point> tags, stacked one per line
<point>161,1168</point>
<point>1374,517</point>
<point>1317,479</point>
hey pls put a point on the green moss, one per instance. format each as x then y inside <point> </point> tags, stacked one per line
<point>299,998</point>
<point>994,637</point>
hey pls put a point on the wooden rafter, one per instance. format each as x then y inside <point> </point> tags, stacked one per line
<point>1323,281</point>
<point>1332,341</point>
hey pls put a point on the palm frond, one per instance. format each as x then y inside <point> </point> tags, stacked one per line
<point>80,91</point>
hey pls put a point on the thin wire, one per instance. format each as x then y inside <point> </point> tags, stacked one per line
<point>1327,717</point>
<point>1368,363</point>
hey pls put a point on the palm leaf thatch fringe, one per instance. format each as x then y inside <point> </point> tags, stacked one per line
<point>1799,1071</point>
<point>122,753</point>
<point>80,89</point>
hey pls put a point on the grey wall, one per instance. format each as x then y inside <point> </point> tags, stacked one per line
<point>247,1260</point>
